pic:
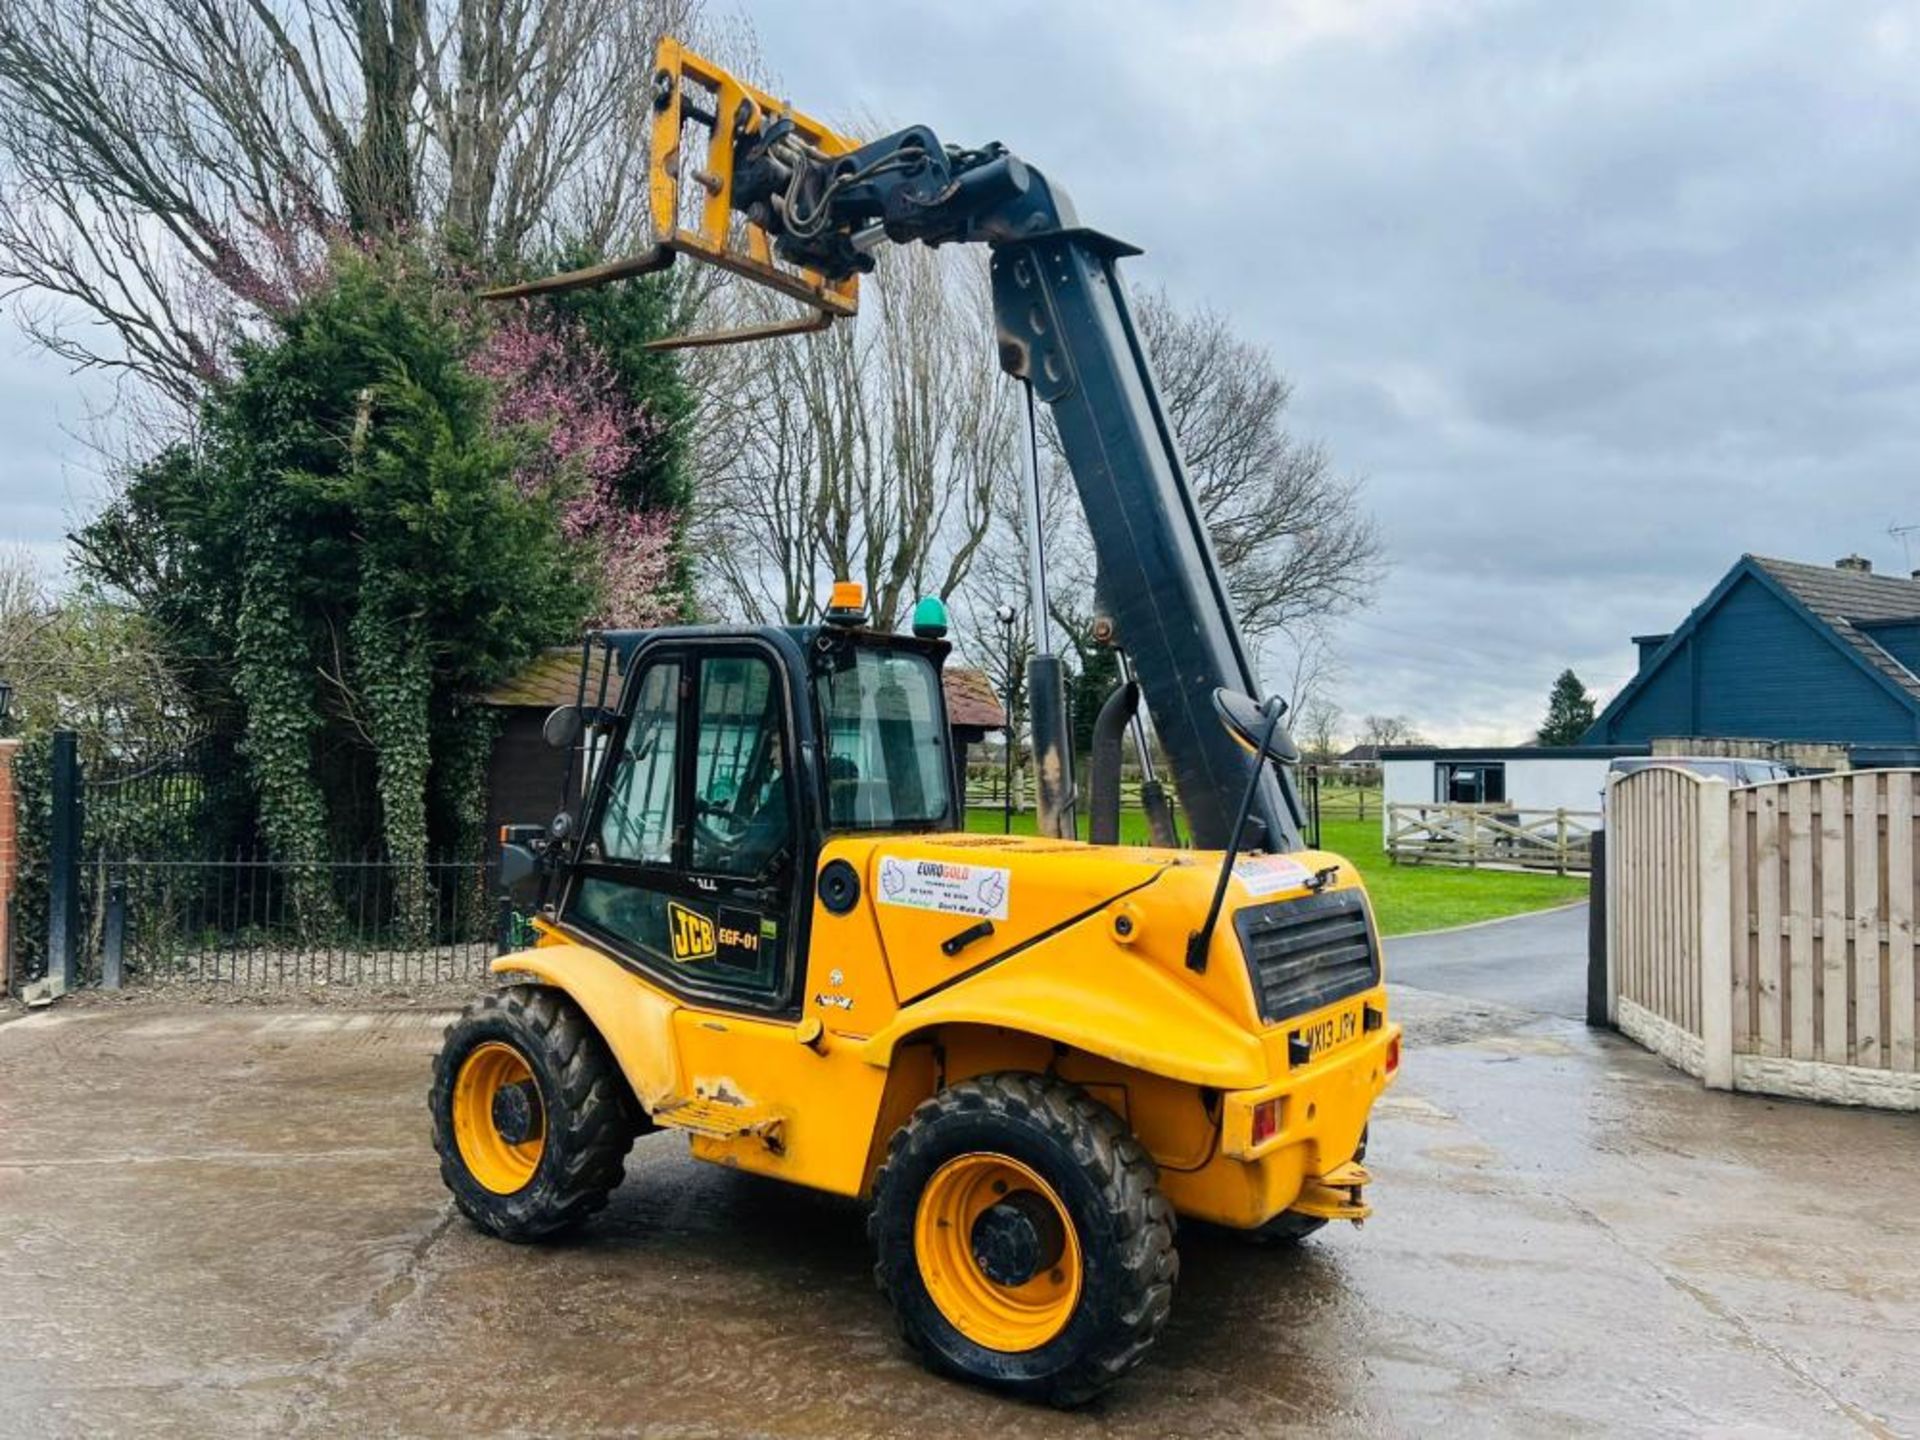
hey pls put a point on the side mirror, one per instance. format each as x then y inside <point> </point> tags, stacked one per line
<point>1247,720</point>
<point>562,727</point>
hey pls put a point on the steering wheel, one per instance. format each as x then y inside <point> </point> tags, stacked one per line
<point>717,827</point>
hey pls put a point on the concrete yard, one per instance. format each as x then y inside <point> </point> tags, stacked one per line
<point>227,1220</point>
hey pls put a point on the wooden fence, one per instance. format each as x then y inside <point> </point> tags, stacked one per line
<point>1763,937</point>
<point>1493,835</point>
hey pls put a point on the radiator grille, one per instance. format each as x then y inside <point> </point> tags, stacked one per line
<point>1306,953</point>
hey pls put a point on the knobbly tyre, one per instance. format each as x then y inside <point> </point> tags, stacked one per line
<point>761,921</point>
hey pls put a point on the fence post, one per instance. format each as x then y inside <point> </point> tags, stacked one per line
<point>1612,910</point>
<point>63,866</point>
<point>113,957</point>
<point>1597,997</point>
<point>1560,839</point>
<point>1716,935</point>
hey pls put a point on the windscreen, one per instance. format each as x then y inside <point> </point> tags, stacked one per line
<point>883,717</point>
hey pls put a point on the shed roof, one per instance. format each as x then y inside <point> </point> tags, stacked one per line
<point>553,679</point>
<point>970,699</point>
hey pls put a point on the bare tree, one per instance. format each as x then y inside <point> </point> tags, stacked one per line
<point>1293,538</point>
<point>1389,730</point>
<point>1309,663</point>
<point>26,609</point>
<point>1318,730</point>
<point>177,167</point>
<point>1291,534</point>
<point>872,451</point>
<point>80,662</point>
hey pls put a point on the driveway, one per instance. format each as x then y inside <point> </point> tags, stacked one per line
<point>1536,962</point>
<point>226,1220</point>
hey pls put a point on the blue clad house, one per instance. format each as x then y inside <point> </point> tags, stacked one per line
<point>1784,652</point>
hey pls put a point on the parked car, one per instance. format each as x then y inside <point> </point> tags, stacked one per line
<point>1735,770</point>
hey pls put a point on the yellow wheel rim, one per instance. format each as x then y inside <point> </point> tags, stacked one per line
<point>499,1122</point>
<point>997,1252</point>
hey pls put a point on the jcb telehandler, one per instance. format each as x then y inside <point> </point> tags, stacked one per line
<point>764,924</point>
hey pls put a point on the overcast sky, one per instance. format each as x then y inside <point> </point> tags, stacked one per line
<point>1596,297</point>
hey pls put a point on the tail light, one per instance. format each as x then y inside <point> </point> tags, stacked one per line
<point>1393,1054</point>
<point>1266,1120</point>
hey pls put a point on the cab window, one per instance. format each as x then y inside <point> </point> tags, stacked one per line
<point>638,821</point>
<point>741,824</point>
<point>884,726</point>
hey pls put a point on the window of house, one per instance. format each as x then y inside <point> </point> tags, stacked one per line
<point>1479,782</point>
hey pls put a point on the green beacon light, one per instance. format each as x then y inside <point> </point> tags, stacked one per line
<point>930,618</point>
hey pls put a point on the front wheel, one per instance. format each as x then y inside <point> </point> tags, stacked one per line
<point>531,1115</point>
<point>1022,1238</point>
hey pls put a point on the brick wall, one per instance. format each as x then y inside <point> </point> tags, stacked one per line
<point>9,848</point>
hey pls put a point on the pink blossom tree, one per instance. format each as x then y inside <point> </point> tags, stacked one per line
<point>552,379</point>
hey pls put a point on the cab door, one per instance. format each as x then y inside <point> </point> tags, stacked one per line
<point>688,868</point>
<point>743,839</point>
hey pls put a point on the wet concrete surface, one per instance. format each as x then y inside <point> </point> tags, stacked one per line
<point>226,1221</point>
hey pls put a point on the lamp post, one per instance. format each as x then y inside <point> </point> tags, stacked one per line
<point>1006,615</point>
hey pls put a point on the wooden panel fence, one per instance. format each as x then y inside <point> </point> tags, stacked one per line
<point>1764,937</point>
<point>1494,835</point>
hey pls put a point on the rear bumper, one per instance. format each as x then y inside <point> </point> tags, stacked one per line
<point>1323,1109</point>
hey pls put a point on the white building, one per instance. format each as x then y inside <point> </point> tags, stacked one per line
<point>1520,777</point>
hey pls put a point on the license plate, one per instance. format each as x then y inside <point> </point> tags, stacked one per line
<point>1328,1034</point>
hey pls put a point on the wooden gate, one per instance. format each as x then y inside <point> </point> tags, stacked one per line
<point>1763,937</point>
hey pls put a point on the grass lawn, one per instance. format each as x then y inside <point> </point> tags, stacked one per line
<point>1430,897</point>
<point>1405,897</point>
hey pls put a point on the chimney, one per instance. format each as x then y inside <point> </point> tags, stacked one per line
<point>1857,563</point>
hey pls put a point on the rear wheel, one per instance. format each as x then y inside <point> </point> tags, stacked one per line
<point>531,1116</point>
<point>1022,1238</point>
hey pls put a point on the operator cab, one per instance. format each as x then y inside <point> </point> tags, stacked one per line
<point>729,759</point>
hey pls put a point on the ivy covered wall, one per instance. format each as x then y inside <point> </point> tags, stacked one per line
<point>398,499</point>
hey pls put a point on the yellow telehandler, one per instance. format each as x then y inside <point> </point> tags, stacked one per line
<point>762,922</point>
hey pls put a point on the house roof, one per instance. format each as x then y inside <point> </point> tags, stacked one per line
<point>1361,755</point>
<point>553,679</point>
<point>971,702</point>
<point>1837,602</point>
<point>1839,598</point>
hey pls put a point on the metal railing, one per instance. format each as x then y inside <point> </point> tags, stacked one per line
<point>254,921</point>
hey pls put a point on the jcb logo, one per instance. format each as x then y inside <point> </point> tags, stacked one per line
<point>692,933</point>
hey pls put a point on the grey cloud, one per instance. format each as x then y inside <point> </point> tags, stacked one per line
<point>1596,297</point>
